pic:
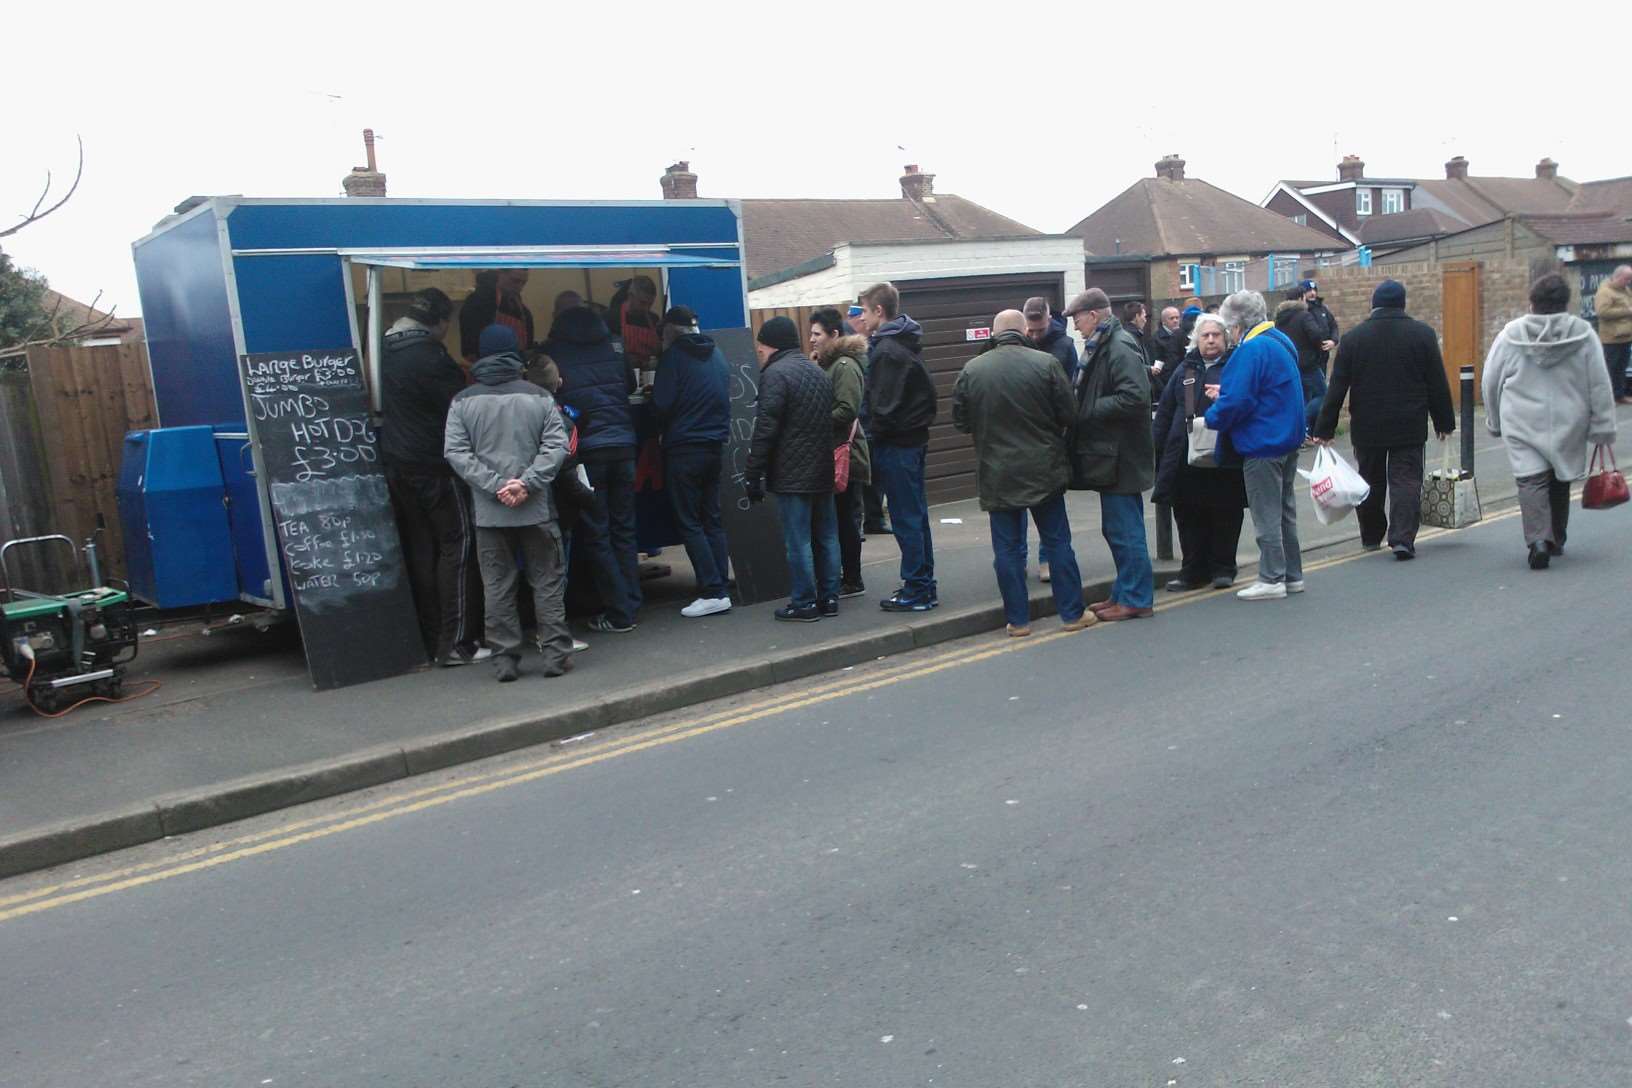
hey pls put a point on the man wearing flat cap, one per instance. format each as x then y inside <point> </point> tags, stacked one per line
<point>1112,449</point>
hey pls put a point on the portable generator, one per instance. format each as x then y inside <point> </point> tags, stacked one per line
<point>61,648</point>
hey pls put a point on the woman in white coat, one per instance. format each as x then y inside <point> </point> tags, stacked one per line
<point>1547,394</point>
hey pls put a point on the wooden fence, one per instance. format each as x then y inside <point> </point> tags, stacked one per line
<point>799,315</point>
<point>64,412</point>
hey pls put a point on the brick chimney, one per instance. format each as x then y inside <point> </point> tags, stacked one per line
<point>1547,170</point>
<point>1170,167</point>
<point>917,185</point>
<point>1457,169</point>
<point>678,182</point>
<point>365,180</point>
<point>1351,168</point>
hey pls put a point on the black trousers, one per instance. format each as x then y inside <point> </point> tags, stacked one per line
<point>1208,539</point>
<point>1544,508</point>
<point>847,504</point>
<point>438,534</point>
<point>1616,357</point>
<point>1395,476</point>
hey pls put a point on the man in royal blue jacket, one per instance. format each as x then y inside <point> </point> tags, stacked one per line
<point>1258,413</point>
<point>691,398</point>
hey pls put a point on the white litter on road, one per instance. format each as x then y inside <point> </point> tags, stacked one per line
<point>1178,1061</point>
<point>1011,802</point>
<point>951,521</point>
<point>966,865</point>
<point>711,798</point>
<point>1453,918</point>
<point>1082,1008</point>
<point>579,737</point>
<point>886,1038</point>
<point>149,633</point>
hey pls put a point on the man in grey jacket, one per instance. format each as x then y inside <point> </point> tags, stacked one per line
<point>505,438</point>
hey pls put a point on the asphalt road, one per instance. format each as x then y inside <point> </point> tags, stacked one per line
<point>1374,835</point>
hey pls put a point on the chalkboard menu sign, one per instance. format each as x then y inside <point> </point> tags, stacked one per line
<point>753,532</point>
<point>309,416</point>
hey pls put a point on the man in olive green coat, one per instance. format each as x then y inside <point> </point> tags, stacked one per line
<point>1112,449</point>
<point>1016,403</point>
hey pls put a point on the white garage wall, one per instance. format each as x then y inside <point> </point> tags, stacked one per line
<point>857,267</point>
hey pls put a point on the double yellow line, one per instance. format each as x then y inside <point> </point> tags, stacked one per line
<point>50,897</point>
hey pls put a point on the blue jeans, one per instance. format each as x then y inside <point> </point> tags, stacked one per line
<point>606,529</point>
<point>810,533</point>
<point>1009,559</point>
<point>899,470</point>
<point>1122,520</point>
<point>691,475</point>
<point>1314,394</point>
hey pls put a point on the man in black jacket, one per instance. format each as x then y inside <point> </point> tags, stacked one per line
<point>418,380</point>
<point>1050,333</point>
<point>901,398</point>
<point>495,301</point>
<point>1315,337</point>
<point>792,456</point>
<point>1390,368</point>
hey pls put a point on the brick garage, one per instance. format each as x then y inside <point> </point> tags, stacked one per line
<point>1503,291</point>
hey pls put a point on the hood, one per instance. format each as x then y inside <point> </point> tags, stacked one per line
<point>1549,338</point>
<point>903,327</point>
<point>853,346</point>
<point>579,325</point>
<point>406,330</point>
<point>1056,329</point>
<point>694,344</point>
<point>506,366</point>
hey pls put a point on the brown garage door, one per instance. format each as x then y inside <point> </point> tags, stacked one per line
<point>951,311</point>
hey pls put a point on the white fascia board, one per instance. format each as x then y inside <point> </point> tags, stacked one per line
<point>1283,187</point>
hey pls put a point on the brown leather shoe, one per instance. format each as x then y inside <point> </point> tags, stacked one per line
<point>1099,606</point>
<point>1123,612</point>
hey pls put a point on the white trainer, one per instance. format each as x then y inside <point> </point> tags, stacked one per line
<point>706,606</point>
<point>1295,587</point>
<point>1263,591</point>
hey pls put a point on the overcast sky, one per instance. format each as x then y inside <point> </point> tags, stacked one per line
<point>1042,121</point>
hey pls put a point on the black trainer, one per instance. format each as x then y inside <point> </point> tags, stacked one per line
<point>830,606</point>
<point>852,589</point>
<point>799,613</point>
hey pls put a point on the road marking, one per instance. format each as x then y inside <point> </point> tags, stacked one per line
<point>420,800</point>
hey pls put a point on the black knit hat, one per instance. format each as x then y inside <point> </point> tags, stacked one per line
<point>779,333</point>
<point>1390,294</point>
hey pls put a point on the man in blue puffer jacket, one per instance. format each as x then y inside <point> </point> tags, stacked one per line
<point>1258,414</point>
<point>596,383</point>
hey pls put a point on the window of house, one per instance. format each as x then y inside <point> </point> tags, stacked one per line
<point>1233,277</point>
<point>1393,201</point>
<point>1187,277</point>
<point>1301,219</point>
<point>1362,202</point>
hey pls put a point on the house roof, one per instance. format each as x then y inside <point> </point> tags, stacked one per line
<point>1163,217</point>
<point>1412,223</point>
<point>1581,229</point>
<point>1608,195</point>
<point>71,313</point>
<point>779,234</point>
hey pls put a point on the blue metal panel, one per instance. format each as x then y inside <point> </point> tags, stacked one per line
<point>178,547</point>
<point>715,294</point>
<point>347,224</point>
<point>183,289</point>
<point>244,517</point>
<point>289,303</point>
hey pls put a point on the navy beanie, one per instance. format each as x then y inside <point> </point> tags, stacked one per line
<point>779,333</point>
<point>496,339</point>
<point>1389,293</point>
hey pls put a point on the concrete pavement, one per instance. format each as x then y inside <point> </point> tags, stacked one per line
<point>1370,835</point>
<point>236,730</point>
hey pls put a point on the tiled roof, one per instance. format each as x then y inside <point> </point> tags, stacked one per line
<point>779,234</point>
<point>1609,195</point>
<point>1413,223</point>
<point>1189,217</point>
<point>71,313</point>
<point>1581,230</point>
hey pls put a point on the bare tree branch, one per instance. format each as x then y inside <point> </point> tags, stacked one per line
<point>35,215</point>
